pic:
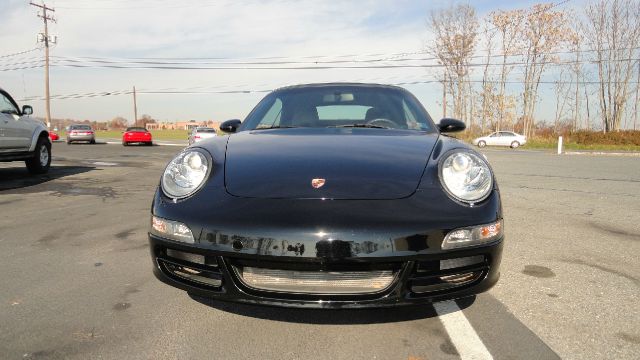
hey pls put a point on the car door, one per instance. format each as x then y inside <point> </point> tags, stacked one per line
<point>15,129</point>
<point>506,138</point>
<point>493,139</point>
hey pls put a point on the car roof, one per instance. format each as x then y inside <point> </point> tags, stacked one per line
<point>340,84</point>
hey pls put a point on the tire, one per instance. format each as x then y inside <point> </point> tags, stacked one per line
<point>41,160</point>
<point>515,144</point>
<point>150,143</point>
<point>124,143</point>
<point>68,142</point>
<point>482,143</point>
<point>92,141</point>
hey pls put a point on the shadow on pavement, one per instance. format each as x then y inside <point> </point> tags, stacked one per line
<point>329,316</point>
<point>18,177</point>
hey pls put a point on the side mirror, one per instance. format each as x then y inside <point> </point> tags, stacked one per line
<point>27,110</point>
<point>230,126</point>
<point>448,125</point>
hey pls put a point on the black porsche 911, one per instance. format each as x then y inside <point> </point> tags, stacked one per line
<point>329,196</point>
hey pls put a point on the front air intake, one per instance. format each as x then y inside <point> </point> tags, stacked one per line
<point>316,282</point>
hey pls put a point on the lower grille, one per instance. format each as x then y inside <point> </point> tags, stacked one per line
<point>194,269</point>
<point>439,275</point>
<point>316,282</point>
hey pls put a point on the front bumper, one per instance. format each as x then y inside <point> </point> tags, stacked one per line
<point>204,271</point>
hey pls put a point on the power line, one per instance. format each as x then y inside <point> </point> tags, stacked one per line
<point>188,91</point>
<point>205,66</point>
<point>19,53</point>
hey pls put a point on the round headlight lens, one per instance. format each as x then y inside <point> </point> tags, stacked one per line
<point>185,174</point>
<point>466,176</point>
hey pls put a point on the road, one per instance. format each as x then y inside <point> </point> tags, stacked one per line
<point>78,281</point>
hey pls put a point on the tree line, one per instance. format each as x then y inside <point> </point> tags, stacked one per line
<point>493,67</point>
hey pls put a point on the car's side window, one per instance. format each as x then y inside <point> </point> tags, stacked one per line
<point>6,106</point>
<point>494,135</point>
<point>410,118</point>
<point>272,117</point>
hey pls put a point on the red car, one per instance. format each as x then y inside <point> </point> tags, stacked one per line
<point>54,136</point>
<point>138,135</point>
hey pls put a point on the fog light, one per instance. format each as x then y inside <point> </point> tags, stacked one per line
<point>172,230</point>
<point>476,235</point>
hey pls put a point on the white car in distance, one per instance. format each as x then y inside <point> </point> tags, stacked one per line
<point>501,138</point>
<point>201,133</point>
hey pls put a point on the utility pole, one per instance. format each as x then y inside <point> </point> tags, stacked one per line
<point>135,108</point>
<point>44,37</point>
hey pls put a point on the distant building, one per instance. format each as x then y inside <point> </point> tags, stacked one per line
<point>182,125</point>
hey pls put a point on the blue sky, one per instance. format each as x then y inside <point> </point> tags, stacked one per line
<point>242,29</point>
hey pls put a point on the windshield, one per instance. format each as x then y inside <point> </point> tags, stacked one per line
<point>206,130</point>
<point>339,106</point>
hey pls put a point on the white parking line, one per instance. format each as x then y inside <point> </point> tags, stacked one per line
<point>462,334</point>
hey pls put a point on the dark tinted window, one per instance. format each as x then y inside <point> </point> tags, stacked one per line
<point>335,106</point>
<point>206,130</point>
<point>80,127</point>
<point>134,128</point>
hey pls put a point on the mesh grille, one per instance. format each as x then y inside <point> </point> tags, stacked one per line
<point>317,282</point>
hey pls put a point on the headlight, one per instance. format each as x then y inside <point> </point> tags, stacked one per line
<point>185,174</point>
<point>466,176</point>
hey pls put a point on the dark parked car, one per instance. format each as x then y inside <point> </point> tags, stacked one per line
<point>329,196</point>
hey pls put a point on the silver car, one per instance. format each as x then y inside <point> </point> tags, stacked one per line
<point>501,138</point>
<point>81,133</point>
<point>23,138</point>
<point>200,133</point>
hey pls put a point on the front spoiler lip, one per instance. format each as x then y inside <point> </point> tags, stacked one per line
<point>397,295</point>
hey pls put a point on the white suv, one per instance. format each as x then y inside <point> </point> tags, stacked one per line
<point>23,138</point>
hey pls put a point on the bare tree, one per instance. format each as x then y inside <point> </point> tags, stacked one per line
<point>561,89</point>
<point>545,31</point>
<point>454,45</point>
<point>488,87</point>
<point>118,123</point>
<point>508,23</point>
<point>612,32</point>
<point>635,106</point>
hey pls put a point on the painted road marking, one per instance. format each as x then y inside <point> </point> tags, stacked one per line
<point>462,334</point>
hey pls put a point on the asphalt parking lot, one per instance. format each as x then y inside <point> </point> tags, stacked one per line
<point>77,279</point>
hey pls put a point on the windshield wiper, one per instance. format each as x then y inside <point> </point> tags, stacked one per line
<point>369,126</point>
<point>275,127</point>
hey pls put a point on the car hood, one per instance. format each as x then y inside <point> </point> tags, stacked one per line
<point>354,163</point>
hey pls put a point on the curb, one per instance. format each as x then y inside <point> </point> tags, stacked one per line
<point>602,153</point>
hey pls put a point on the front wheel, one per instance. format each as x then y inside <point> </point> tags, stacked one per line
<point>41,160</point>
<point>482,143</point>
<point>515,144</point>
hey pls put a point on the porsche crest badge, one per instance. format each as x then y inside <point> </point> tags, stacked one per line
<point>317,183</point>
